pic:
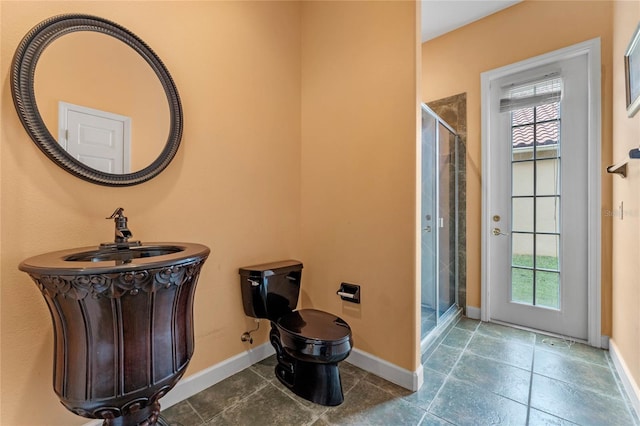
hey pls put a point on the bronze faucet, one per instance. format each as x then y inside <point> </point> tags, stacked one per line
<point>122,232</point>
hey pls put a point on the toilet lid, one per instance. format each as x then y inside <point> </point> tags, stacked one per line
<point>316,325</point>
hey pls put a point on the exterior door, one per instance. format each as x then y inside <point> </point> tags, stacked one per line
<point>96,138</point>
<point>538,208</point>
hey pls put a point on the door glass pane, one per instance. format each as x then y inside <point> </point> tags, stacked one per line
<point>547,151</point>
<point>547,251</point>
<point>446,210</point>
<point>522,116</point>
<point>522,285</point>
<point>547,133</point>
<point>548,176</point>
<point>428,223</point>
<point>522,183</point>
<point>522,247</point>
<point>547,214</point>
<point>523,139</point>
<point>522,212</point>
<point>548,289</point>
<point>548,112</point>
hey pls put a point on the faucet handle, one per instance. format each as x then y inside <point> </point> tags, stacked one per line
<point>117,213</point>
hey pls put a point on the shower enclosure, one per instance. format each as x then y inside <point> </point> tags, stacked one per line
<point>439,226</point>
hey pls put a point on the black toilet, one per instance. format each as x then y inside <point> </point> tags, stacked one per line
<point>309,343</point>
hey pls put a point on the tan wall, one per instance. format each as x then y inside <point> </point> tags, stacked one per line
<point>625,252</point>
<point>291,110</point>
<point>234,185</point>
<point>359,115</point>
<point>453,63</point>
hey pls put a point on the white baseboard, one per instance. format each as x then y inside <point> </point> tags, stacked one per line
<point>203,379</point>
<point>411,380</point>
<point>628,382</point>
<point>604,341</point>
<point>473,312</point>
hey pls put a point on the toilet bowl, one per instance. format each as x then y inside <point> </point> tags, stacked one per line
<point>309,343</point>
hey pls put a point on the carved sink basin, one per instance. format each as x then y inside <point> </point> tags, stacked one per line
<point>111,258</point>
<point>123,325</point>
<point>123,255</point>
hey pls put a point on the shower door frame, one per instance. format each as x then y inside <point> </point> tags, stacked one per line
<point>444,317</point>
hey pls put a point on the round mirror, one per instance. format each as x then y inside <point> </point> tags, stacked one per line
<point>105,95</point>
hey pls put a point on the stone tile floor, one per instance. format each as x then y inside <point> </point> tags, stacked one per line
<point>479,374</point>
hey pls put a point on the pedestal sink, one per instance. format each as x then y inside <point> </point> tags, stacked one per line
<point>123,324</point>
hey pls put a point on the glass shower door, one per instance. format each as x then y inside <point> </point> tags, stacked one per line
<point>446,210</point>
<point>429,223</point>
<point>438,222</point>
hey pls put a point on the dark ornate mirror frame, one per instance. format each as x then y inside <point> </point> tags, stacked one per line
<point>22,89</point>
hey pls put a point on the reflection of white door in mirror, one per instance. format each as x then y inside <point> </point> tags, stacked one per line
<point>99,139</point>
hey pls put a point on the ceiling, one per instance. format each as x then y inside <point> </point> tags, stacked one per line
<point>442,16</point>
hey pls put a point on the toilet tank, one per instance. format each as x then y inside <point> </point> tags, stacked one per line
<point>270,290</point>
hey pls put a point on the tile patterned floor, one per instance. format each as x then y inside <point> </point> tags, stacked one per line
<point>479,374</point>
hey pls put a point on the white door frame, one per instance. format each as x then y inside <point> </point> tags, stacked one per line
<point>590,48</point>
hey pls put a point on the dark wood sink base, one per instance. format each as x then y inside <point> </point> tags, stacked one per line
<point>121,340</point>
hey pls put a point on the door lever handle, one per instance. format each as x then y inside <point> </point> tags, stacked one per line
<point>497,231</point>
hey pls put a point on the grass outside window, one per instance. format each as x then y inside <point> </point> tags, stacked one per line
<point>547,286</point>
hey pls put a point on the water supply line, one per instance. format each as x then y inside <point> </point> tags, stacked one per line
<point>246,336</point>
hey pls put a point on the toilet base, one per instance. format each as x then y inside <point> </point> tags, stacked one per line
<point>316,382</point>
